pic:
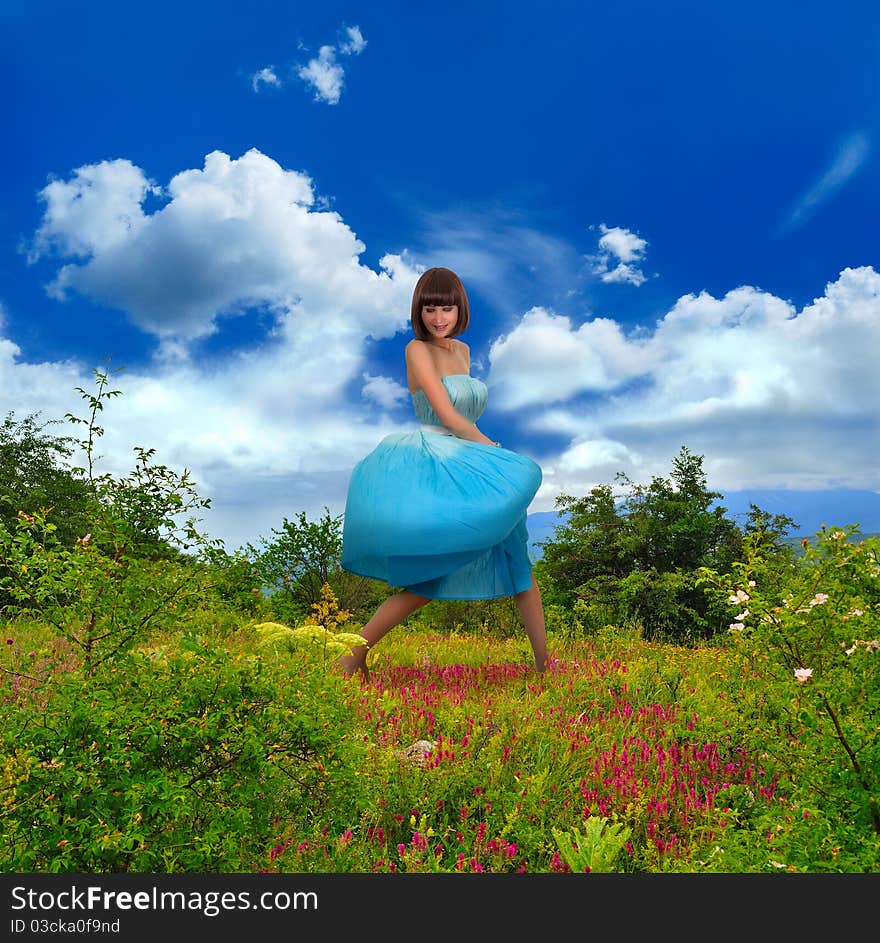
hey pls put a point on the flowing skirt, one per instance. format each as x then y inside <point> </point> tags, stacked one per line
<point>441,516</point>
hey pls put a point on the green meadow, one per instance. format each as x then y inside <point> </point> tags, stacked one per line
<point>205,750</point>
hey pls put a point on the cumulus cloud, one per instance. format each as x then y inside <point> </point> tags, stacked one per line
<point>269,420</point>
<point>544,360</point>
<point>99,209</point>
<point>233,234</point>
<point>384,391</point>
<point>619,255</point>
<point>772,396</point>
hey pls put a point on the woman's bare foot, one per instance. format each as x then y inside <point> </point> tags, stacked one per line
<point>542,665</point>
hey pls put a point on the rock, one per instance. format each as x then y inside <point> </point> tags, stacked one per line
<point>417,752</point>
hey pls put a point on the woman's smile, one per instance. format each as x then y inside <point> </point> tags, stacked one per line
<point>440,320</point>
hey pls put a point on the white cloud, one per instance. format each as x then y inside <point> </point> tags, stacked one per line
<point>544,360</point>
<point>94,213</point>
<point>35,387</point>
<point>356,42</point>
<point>265,76</point>
<point>384,391</point>
<point>771,396</point>
<point>619,245</point>
<point>269,420</point>
<point>850,156</point>
<point>235,234</point>
<point>323,73</point>
<point>263,437</point>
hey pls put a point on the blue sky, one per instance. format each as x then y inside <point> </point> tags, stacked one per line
<point>664,215</point>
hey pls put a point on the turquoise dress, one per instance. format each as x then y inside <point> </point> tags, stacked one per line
<point>438,515</point>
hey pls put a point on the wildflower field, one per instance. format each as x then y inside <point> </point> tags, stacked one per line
<point>233,745</point>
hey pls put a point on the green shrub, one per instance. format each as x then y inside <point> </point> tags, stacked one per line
<point>232,581</point>
<point>173,760</point>
<point>808,636</point>
<point>127,574</point>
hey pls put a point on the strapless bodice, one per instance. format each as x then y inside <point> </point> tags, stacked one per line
<point>467,394</point>
<point>438,514</point>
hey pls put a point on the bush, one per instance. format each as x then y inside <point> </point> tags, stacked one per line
<point>808,635</point>
<point>161,761</point>
<point>232,580</point>
<point>128,574</point>
<point>636,556</point>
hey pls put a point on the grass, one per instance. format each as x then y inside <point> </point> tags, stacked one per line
<point>457,756</point>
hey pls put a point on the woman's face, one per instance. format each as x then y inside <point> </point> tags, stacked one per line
<point>440,322</point>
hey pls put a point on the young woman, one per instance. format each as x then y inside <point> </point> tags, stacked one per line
<point>441,511</point>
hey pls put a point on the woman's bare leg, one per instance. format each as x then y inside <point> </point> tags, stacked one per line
<point>532,613</point>
<point>389,614</point>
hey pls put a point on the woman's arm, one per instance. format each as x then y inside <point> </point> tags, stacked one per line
<point>423,370</point>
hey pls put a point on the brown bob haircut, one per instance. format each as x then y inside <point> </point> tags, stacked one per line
<point>438,288</point>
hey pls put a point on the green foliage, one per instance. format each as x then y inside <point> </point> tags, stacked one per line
<point>512,757</point>
<point>594,849</point>
<point>33,475</point>
<point>635,558</point>
<point>233,580</point>
<point>802,839</point>
<point>498,617</point>
<point>810,631</point>
<point>665,604</point>
<point>300,559</point>
<point>127,574</point>
<point>181,758</point>
<point>137,515</point>
<point>670,521</point>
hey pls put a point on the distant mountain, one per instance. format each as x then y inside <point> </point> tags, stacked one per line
<point>809,510</point>
<point>540,526</point>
